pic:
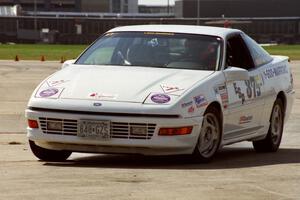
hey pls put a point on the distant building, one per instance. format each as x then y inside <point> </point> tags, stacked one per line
<point>124,6</point>
<point>156,9</point>
<point>94,5</point>
<point>45,5</point>
<point>237,8</point>
<point>104,6</point>
<point>9,10</point>
<point>109,6</point>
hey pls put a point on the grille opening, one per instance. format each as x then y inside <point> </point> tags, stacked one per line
<point>121,130</point>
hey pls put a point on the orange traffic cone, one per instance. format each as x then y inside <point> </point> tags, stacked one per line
<point>43,58</point>
<point>17,58</point>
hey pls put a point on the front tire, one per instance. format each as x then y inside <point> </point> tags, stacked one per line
<point>272,142</point>
<point>210,136</point>
<point>47,154</point>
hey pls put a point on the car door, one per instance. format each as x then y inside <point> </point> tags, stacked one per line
<point>245,105</point>
<point>263,61</point>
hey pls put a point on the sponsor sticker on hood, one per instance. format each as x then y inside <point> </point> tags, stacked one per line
<point>170,89</point>
<point>100,96</point>
<point>160,98</point>
<point>53,83</point>
<point>49,93</point>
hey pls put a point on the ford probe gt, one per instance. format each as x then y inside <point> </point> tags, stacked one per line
<point>162,90</point>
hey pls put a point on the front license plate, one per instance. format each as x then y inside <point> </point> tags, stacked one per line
<point>97,129</point>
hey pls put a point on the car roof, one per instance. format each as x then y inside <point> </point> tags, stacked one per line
<point>202,30</point>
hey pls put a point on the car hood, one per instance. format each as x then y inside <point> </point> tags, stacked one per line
<point>118,83</point>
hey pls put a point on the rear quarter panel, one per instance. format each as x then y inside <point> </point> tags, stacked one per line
<point>277,78</point>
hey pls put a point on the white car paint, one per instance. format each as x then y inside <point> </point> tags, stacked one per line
<point>83,81</point>
<point>124,94</point>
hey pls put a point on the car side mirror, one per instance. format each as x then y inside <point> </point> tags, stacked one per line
<point>67,63</point>
<point>236,74</point>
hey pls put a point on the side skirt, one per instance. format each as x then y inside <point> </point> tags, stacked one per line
<point>249,134</point>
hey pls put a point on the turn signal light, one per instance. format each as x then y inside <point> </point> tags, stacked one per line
<point>33,123</point>
<point>175,131</point>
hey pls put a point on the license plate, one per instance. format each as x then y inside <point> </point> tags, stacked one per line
<point>96,129</point>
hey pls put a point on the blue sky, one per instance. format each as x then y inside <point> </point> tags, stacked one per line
<point>156,2</point>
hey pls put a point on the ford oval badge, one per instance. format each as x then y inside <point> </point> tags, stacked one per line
<point>97,104</point>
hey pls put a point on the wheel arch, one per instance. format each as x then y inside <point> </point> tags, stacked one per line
<point>282,97</point>
<point>216,105</point>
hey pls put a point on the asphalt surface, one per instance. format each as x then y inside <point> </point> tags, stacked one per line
<point>236,173</point>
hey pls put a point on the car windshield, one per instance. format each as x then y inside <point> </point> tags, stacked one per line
<point>151,49</point>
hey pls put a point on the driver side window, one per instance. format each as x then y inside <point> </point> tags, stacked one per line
<point>238,54</point>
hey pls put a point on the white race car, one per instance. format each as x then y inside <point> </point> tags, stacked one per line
<point>162,90</point>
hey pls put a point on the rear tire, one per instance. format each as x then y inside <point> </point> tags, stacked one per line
<point>273,139</point>
<point>47,154</point>
<point>210,136</point>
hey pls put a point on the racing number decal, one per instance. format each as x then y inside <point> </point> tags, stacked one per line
<point>249,88</point>
<point>253,88</point>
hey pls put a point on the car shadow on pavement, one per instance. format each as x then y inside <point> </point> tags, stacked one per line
<point>228,158</point>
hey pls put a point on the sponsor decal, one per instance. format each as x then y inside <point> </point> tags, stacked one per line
<point>96,95</point>
<point>186,104</point>
<point>48,92</point>
<point>160,98</point>
<point>239,92</point>
<point>224,98</point>
<point>191,109</point>
<point>222,90</point>
<point>170,89</point>
<point>245,119</point>
<point>93,95</point>
<point>158,33</point>
<point>277,71</point>
<point>56,82</point>
<point>200,101</point>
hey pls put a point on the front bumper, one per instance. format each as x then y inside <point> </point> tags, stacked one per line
<point>155,145</point>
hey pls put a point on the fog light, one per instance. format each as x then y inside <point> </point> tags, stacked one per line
<point>175,131</point>
<point>138,130</point>
<point>33,123</point>
<point>55,126</point>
